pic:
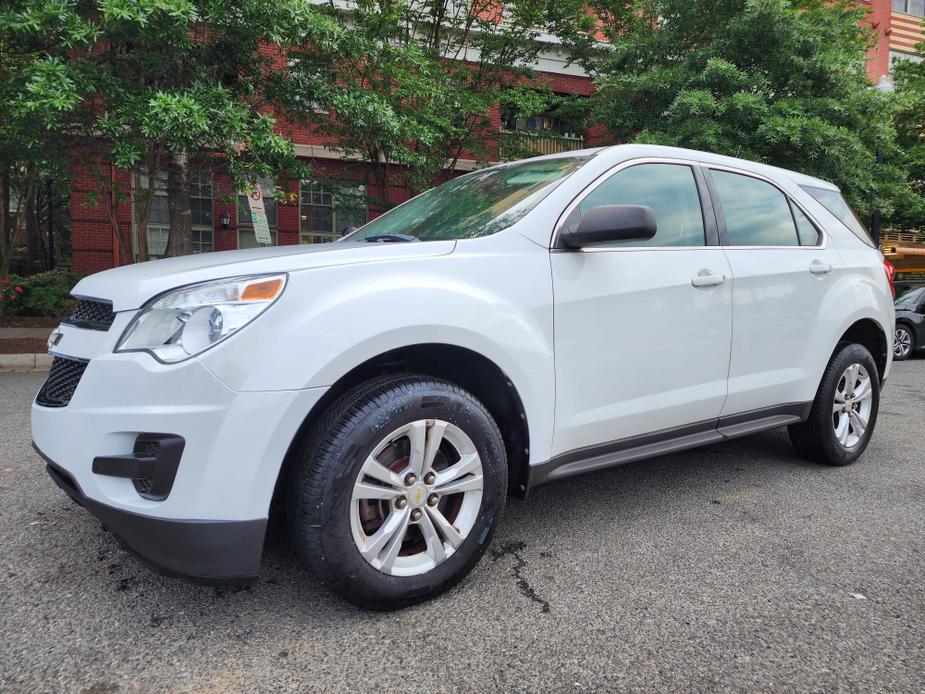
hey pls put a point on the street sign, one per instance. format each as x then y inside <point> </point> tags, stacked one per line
<point>259,217</point>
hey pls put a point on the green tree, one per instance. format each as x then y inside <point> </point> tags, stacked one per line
<point>39,91</point>
<point>410,86</point>
<point>777,81</point>
<point>910,127</point>
<point>150,85</point>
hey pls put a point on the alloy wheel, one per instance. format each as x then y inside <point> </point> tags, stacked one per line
<point>902,343</point>
<point>416,498</point>
<point>852,406</point>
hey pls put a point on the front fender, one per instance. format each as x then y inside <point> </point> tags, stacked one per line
<point>331,320</point>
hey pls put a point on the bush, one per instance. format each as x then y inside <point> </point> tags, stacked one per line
<point>44,294</point>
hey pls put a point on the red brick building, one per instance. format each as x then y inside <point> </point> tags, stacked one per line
<point>312,214</point>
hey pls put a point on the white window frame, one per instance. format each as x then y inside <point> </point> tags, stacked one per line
<point>905,8</point>
<point>322,189</point>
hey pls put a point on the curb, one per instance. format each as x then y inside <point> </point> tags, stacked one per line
<point>10,363</point>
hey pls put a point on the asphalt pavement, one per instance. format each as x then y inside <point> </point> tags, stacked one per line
<point>732,567</point>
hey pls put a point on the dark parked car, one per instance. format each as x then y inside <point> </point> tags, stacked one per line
<point>910,324</point>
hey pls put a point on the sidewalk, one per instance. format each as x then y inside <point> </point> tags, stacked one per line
<point>37,361</point>
<point>16,333</point>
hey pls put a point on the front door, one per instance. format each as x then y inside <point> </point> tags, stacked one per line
<point>642,332</point>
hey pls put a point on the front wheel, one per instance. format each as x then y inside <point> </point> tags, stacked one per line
<point>844,412</point>
<point>397,490</point>
<point>902,343</point>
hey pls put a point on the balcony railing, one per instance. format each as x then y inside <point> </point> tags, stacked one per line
<point>892,237</point>
<point>518,144</point>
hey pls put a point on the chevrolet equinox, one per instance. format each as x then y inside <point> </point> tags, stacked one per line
<point>511,327</point>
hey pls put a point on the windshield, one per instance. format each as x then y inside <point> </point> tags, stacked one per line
<point>835,203</point>
<point>910,298</point>
<point>477,204</point>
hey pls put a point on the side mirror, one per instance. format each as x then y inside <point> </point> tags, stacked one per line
<point>610,223</point>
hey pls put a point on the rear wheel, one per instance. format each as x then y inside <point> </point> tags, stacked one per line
<point>844,412</point>
<point>903,343</point>
<point>397,490</point>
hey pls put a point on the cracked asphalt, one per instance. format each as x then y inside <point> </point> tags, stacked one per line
<point>732,567</point>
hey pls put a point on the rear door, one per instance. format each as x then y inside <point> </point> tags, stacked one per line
<point>642,329</point>
<point>783,272</point>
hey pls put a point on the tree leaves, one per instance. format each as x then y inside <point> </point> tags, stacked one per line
<point>778,81</point>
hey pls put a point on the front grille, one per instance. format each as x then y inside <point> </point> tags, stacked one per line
<point>63,377</point>
<point>93,314</point>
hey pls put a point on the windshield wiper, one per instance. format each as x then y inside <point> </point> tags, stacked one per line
<point>390,238</point>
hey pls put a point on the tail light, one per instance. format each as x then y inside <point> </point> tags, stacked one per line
<point>890,272</point>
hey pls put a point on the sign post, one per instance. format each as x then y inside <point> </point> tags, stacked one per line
<point>259,217</point>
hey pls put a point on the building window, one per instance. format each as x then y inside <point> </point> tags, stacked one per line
<point>913,7</point>
<point>248,239</point>
<point>201,204</point>
<point>899,56</point>
<point>326,211</point>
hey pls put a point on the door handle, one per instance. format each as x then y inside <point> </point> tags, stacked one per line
<point>705,278</point>
<point>817,267</point>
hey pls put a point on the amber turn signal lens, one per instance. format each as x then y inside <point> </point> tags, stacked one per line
<point>262,291</point>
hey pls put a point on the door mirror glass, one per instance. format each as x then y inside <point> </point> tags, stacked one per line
<point>610,223</point>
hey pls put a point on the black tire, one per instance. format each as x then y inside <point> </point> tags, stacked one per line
<point>912,346</point>
<point>815,438</point>
<point>330,458</point>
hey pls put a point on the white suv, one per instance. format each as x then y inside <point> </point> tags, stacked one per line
<point>513,326</point>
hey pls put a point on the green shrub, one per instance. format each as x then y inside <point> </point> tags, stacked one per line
<point>44,294</point>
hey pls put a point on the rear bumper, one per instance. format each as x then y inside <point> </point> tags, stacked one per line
<point>201,550</point>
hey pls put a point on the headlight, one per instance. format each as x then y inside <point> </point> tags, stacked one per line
<point>187,321</point>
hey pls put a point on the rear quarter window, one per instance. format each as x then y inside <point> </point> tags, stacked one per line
<point>833,201</point>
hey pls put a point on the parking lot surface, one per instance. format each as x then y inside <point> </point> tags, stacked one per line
<point>732,567</point>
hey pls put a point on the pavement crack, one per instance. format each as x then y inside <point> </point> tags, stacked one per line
<point>513,549</point>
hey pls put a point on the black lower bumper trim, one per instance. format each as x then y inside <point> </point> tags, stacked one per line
<point>201,550</point>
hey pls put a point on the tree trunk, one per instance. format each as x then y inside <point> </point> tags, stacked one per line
<point>4,225</point>
<point>180,240</point>
<point>34,244</point>
<point>12,237</point>
<point>142,210</point>
<point>50,220</point>
<point>122,252</point>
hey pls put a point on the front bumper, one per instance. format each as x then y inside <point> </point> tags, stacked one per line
<point>203,550</point>
<point>208,521</point>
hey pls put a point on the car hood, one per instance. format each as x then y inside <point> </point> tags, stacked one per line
<point>130,286</point>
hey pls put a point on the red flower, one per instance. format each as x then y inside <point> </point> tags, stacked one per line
<point>19,289</point>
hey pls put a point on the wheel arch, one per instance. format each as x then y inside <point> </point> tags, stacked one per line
<point>869,333</point>
<point>462,366</point>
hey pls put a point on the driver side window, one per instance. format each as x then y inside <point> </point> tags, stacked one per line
<point>669,189</point>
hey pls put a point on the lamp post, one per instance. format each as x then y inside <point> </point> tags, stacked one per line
<point>885,85</point>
